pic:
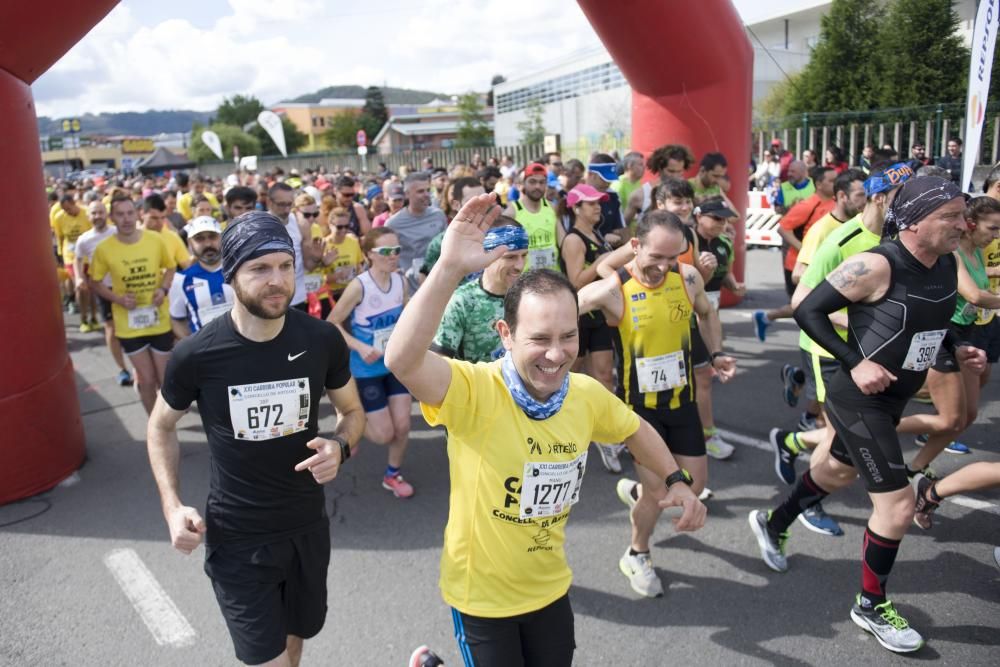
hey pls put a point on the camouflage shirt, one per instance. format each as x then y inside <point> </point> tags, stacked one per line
<point>467,330</point>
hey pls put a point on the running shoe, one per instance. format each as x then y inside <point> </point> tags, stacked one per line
<point>85,327</point>
<point>996,555</point>
<point>424,657</point>
<point>957,448</point>
<point>890,629</point>
<point>625,489</point>
<point>793,379</point>
<point>817,520</point>
<point>927,472</point>
<point>924,507</point>
<point>609,457</point>
<point>921,440</point>
<point>784,458</point>
<point>771,550</point>
<point>641,575</point>
<point>807,422</point>
<point>705,494</point>
<point>718,448</point>
<point>71,308</point>
<point>124,378</point>
<point>399,486</point>
<point>760,324</point>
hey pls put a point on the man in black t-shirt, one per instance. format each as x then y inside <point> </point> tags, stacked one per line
<point>258,374</point>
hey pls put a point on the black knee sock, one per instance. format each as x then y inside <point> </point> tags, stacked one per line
<point>877,557</point>
<point>805,494</point>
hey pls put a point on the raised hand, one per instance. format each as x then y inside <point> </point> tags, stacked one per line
<point>462,247</point>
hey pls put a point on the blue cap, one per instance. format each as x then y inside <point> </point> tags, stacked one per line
<point>888,178</point>
<point>608,171</point>
<point>373,191</point>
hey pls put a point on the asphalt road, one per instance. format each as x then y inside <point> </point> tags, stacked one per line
<point>71,558</point>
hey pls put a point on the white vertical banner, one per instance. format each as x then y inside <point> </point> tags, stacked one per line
<point>211,140</point>
<point>984,36</point>
<point>271,122</point>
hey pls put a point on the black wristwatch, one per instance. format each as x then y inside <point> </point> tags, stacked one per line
<point>716,355</point>
<point>345,447</point>
<point>679,475</point>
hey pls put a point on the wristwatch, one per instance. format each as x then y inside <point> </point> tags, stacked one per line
<point>345,447</point>
<point>679,475</point>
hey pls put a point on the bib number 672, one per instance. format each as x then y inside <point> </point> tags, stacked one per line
<point>270,414</point>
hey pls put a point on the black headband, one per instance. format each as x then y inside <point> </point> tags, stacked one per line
<point>919,197</point>
<point>249,236</point>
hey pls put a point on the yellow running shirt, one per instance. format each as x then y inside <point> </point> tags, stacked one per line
<point>137,268</point>
<point>503,546</point>
<point>992,255</point>
<point>175,246</point>
<point>345,267</point>
<point>655,343</point>
<point>67,229</point>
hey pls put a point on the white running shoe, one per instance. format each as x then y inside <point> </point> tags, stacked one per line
<point>718,448</point>
<point>890,629</point>
<point>624,489</point>
<point>641,575</point>
<point>705,494</point>
<point>609,457</point>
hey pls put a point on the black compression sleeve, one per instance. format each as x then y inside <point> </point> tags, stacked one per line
<point>813,315</point>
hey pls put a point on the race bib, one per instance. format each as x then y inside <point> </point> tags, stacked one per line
<point>314,282</point>
<point>923,349</point>
<point>269,410</point>
<point>661,373</point>
<point>143,318</point>
<point>985,315</point>
<point>968,310</point>
<point>714,298</point>
<point>208,313</point>
<point>551,488</point>
<point>380,338</point>
<point>542,258</point>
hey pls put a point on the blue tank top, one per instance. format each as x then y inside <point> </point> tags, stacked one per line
<point>373,319</point>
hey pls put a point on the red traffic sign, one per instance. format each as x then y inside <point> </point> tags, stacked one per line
<point>362,138</point>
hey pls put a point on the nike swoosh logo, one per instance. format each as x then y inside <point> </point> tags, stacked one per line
<point>293,357</point>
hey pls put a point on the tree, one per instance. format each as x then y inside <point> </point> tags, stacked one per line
<point>294,138</point>
<point>473,130</point>
<point>841,73</point>
<point>495,81</point>
<point>342,129</point>
<point>229,136</point>
<point>375,107</point>
<point>921,58</point>
<point>238,110</point>
<point>532,128</point>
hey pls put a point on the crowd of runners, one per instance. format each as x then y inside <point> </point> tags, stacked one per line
<point>533,311</point>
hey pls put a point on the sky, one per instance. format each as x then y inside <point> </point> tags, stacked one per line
<point>190,54</point>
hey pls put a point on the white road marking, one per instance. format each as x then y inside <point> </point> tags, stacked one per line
<point>157,610</point>
<point>964,501</point>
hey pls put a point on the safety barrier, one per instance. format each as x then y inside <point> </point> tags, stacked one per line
<point>761,221</point>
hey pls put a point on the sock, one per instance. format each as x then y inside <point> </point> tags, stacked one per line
<point>805,494</point>
<point>634,492</point>
<point>793,444</point>
<point>932,494</point>
<point>633,552</point>
<point>709,432</point>
<point>910,472</point>
<point>877,557</point>
<point>391,472</point>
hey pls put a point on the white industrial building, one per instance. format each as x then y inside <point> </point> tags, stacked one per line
<point>586,100</point>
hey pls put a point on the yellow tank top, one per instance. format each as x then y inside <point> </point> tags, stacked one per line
<point>992,255</point>
<point>654,343</point>
<point>543,248</point>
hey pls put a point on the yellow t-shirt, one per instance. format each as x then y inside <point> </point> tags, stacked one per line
<point>346,266</point>
<point>67,229</point>
<point>496,563</point>
<point>137,268</point>
<point>317,277</point>
<point>175,246</point>
<point>816,234</point>
<point>992,255</point>
<point>185,209</point>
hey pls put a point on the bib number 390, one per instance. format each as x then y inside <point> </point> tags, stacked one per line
<point>269,409</point>
<point>923,349</point>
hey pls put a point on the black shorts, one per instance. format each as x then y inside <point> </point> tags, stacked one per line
<point>866,439</point>
<point>375,392</point>
<point>818,371</point>
<point>680,428</point>
<point>104,309</point>
<point>161,343</point>
<point>699,351</point>
<point>789,283</point>
<point>594,338</point>
<point>542,637</point>
<point>269,591</point>
<point>987,338</point>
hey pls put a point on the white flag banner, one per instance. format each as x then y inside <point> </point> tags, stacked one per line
<point>248,163</point>
<point>211,139</point>
<point>271,122</point>
<point>983,42</point>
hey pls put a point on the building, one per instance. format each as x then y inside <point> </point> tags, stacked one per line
<point>433,126</point>
<point>587,102</point>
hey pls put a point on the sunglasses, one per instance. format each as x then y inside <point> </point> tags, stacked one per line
<point>309,215</point>
<point>342,226</point>
<point>388,250</point>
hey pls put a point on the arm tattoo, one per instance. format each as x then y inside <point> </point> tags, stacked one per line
<point>689,279</point>
<point>847,276</point>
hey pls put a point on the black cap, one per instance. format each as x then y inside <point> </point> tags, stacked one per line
<point>716,208</point>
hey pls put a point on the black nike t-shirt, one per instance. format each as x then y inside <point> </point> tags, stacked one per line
<point>259,405</point>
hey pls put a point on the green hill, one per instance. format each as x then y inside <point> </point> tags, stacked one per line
<point>391,95</point>
<point>145,123</point>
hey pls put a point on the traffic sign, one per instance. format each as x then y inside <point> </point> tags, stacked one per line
<point>362,138</point>
<point>362,150</point>
<point>55,143</point>
<point>71,125</point>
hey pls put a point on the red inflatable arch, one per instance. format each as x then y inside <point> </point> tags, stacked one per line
<point>690,66</point>
<point>41,434</point>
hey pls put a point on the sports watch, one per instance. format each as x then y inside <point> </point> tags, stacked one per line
<point>679,475</point>
<point>345,447</point>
